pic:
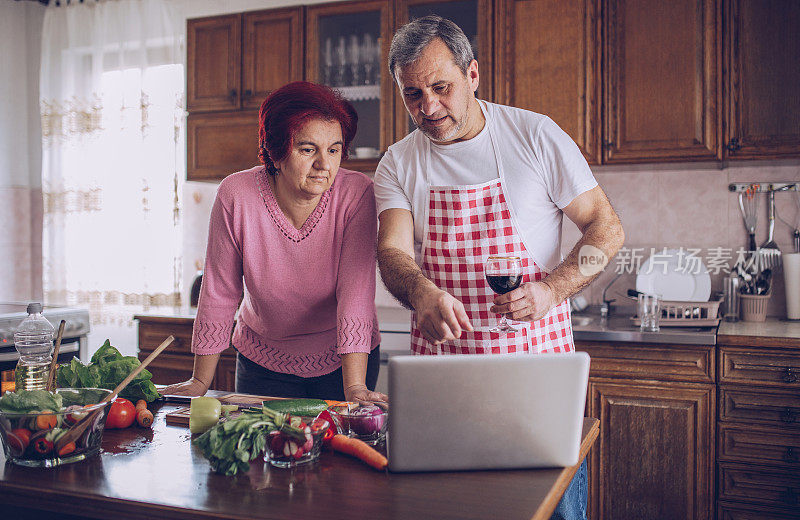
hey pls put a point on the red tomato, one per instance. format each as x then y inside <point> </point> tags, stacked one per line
<point>18,439</point>
<point>122,414</point>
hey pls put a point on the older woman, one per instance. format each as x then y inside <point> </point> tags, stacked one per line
<point>297,235</point>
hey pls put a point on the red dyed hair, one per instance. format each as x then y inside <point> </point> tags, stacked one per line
<point>288,108</point>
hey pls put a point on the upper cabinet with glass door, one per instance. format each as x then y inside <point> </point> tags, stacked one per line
<point>475,19</point>
<point>346,48</point>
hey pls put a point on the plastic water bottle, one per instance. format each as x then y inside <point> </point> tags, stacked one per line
<point>34,342</point>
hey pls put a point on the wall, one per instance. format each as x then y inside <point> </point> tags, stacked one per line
<point>20,152</point>
<point>689,206</point>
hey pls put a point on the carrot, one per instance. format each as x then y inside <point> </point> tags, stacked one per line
<point>144,417</point>
<point>67,449</point>
<point>333,403</point>
<point>360,450</point>
<point>46,421</point>
<point>141,403</point>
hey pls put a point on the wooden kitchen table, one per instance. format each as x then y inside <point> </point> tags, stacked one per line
<point>157,473</point>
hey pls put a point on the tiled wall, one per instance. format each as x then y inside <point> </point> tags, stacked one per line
<point>690,206</point>
<point>686,205</point>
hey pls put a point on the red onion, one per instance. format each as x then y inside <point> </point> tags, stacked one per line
<point>367,420</point>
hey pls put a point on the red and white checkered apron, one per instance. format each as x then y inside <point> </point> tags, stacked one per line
<point>465,225</point>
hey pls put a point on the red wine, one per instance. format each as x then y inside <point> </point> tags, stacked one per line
<point>503,283</point>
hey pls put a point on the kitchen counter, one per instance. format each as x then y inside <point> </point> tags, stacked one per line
<point>772,328</point>
<point>589,327</point>
<point>157,473</point>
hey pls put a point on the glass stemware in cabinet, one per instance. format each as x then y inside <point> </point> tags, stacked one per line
<point>327,62</point>
<point>354,60</point>
<point>341,63</point>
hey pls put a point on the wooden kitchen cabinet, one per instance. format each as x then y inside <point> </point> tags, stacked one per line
<point>220,143</point>
<point>655,455</point>
<point>176,362</point>
<point>233,63</point>
<point>758,460</point>
<point>347,45</point>
<point>547,59</point>
<point>762,79</point>
<point>474,17</point>
<point>662,81</point>
<point>213,65</point>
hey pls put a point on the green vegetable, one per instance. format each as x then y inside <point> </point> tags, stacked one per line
<point>107,369</point>
<point>26,401</point>
<point>301,407</point>
<point>203,413</point>
<point>228,408</point>
<point>232,444</point>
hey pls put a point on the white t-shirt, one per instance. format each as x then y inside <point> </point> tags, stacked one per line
<point>541,170</point>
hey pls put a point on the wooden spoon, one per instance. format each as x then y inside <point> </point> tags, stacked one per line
<point>79,427</point>
<point>51,381</point>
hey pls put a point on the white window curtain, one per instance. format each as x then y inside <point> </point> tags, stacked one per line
<point>111,96</point>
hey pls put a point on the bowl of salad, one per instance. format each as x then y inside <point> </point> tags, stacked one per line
<point>284,450</point>
<point>33,425</point>
<point>364,421</point>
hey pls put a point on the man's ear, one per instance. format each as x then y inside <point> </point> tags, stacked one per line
<point>473,77</point>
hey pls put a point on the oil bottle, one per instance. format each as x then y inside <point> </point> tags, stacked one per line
<point>34,342</point>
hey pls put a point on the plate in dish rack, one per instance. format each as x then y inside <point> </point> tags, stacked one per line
<point>675,276</point>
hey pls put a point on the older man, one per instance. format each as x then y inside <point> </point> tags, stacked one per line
<point>477,179</point>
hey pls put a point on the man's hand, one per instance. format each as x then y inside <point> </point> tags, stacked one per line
<point>440,316</point>
<point>528,302</point>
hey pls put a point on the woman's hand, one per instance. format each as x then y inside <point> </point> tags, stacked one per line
<point>193,388</point>
<point>360,393</point>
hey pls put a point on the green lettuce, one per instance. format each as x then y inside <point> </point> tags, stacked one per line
<point>26,401</point>
<point>107,369</point>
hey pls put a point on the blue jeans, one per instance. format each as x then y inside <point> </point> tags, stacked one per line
<point>573,504</point>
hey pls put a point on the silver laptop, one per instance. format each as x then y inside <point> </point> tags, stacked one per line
<point>486,411</point>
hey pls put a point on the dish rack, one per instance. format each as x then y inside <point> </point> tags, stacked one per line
<point>687,314</point>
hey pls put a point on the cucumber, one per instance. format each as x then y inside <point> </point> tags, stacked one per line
<point>301,407</point>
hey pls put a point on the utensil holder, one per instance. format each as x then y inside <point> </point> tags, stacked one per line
<point>754,306</point>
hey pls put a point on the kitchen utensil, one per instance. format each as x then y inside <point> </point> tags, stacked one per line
<point>770,253</point>
<point>791,276</point>
<point>664,274</point>
<point>51,381</point>
<point>731,294</point>
<point>748,204</point>
<point>79,427</point>
<point>794,225</point>
<point>754,306</point>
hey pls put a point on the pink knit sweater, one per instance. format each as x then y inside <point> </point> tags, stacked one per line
<point>309,293</point>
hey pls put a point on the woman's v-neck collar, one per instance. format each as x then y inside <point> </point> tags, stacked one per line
<point>277,215</point>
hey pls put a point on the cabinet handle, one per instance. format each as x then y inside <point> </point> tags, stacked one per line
<point>232,95</point>
<point>788,415</point>
<point>789,456</point>
<point>248,93</point>
<point>609,144</point>
<point>789,376</point>
<point>733,145</point>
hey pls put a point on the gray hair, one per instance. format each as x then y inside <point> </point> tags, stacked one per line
<point>411,39</point>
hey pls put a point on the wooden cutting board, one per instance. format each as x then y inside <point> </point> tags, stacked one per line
<point>180,417</point>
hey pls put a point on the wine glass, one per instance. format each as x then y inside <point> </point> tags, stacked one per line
<point>504,274</point>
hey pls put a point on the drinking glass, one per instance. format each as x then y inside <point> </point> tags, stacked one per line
<point>649,312</point>
<point>504,274</point>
